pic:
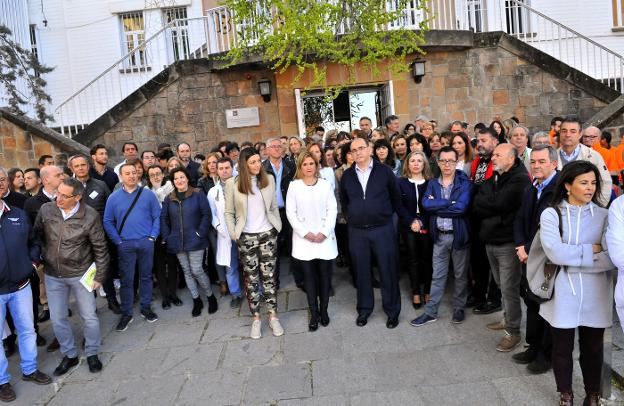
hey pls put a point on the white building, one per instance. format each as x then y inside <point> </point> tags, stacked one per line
<point>88,41</point>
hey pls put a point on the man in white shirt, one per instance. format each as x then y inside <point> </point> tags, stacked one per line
<point>129,150</point>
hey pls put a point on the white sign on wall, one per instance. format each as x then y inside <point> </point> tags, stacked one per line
<point>245,117</point>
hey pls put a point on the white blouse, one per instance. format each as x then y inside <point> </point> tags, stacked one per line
<point>312,209</point>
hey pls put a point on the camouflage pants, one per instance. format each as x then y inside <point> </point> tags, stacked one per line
<point>258,256</point>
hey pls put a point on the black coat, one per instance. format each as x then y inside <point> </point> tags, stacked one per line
<point>497,202</point>
<point>193,170</point>
<point>288,173</point>
<point>34,203</point>
<point>16,199</point>
<point>528,216</point>
<point>407,210</point>
<point>95,195</point>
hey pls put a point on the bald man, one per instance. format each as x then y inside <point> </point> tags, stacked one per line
<point>496,204</point>
<point>594,138</point>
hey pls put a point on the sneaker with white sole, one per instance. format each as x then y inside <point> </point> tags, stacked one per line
<point>256,329</point>
<point>276,327</point>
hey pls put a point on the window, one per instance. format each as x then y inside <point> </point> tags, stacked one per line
<point>33,44</point>
<point>179,38</point>
<point>618,13</point>
<point>133,26</point>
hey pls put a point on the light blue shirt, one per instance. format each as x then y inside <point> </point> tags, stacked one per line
<point>278,182</point>
<point>73,211</point>
<point>572,157</point>
<point>363,175</point>
<point>445,224</point>
<point>541,186</point>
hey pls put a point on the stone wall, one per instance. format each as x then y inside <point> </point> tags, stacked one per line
<point>496,77</point>
<point>22,142</point>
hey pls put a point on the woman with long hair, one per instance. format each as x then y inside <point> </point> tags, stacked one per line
<point>461,145</point>
<point>385,154</point>
<point>427,129</point>
<point>165,264</point>
<point>399,145</point>
<point>435,145</point>
<point>253,221</point>
<point>16,180</point>
<point>311,211</point>
<point>409,129</point>
<point>414,224</point>
<point>172,163</point>
<point>295,145</point>
<point>185,220</point>
<point>499,129</point>
<point>417,142</point>
<point>325,172</point>
<point>209,172</point>
<point>572,234</point>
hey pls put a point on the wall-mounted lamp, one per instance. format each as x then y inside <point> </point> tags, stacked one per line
<point>264,85</point>
<point>418,70</point>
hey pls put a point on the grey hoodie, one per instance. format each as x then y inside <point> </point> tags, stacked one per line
<point>583,293</point>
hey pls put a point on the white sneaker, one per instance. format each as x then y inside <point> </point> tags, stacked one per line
<point>256,329</point>
<point>276,327</point>
<point>102,293</point>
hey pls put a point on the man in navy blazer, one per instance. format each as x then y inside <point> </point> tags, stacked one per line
<point>369,196</point>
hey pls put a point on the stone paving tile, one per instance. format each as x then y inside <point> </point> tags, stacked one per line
<point>212,388</point>
<point>322,344</point>
<point>401,397</point>
<point>241,354</point>
<point>465,394</point>
<point>400,370</point>
<point>134,364</point>
<point>87,393</point>
<point>297,300</point>
<point>220,330</point>
<point>180,334</point>
<point>349,375</point>
<point>273,383</point>
<point>316,401</point>
<point>194,359</point>
<point>149,392</point>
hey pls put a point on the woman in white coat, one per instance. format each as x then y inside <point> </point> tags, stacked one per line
<point>311,211</point>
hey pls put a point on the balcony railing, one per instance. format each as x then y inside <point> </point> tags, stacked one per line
<point>216,33</point>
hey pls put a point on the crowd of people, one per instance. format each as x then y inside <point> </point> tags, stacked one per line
<point>478,204</point>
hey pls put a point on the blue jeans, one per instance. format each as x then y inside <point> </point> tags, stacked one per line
<point>58,299</point>
<point>443,251</point>
<point>20,306</point>
<point>231,273</point>
<point>132,253</point>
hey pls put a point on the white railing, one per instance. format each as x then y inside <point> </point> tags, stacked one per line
<point>216,33</point>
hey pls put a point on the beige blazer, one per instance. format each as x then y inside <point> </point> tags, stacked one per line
<point>236,207</point>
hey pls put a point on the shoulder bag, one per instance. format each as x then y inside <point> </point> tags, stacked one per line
<point>125,217</point>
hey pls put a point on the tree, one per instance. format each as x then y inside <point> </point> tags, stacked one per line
<point>307,33</point>
<point>15,63</point>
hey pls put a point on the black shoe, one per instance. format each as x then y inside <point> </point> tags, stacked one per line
<point>324,318</point>
<point>419,304</point>
<point>69,312</point>
<point>38,377</point>
<point>166,304</point>
<point>198,305</point>
<point>213,305</point>
<point>487,308</point>
<point>94,363</point>
<point>113,305</point>
<point>235,303</point>
<point>392,322</point>
<point>123,322</point>
<point>65,365</point>
<point>149,315</point>
<point>54,345</point>
<point>313,324</point>
<point>539,365</point>
<point>376,284</point>
<point>40,340</point>
<point>524,357</point>
<point>458,316</point>
<point>472,302</point>
<point>7,394</point>
<point>361,321</point>
<point>9,348</point>
<point>175,300</point>
<point>44,315</point>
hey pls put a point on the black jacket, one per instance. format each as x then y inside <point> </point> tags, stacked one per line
<point>205,184</point>
<point>411,208</point>
<point>15,199</point>
<point>528,216</point>
<point>95,195</point>
<point>17,250</point>
<point>497,202</point>
<point>34,203</point>
<point>288,173</point>
<point>375,208</point>
<point>193,170</point>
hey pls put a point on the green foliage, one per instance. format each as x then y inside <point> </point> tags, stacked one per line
<point>307,34</point>
<point>17,62</point>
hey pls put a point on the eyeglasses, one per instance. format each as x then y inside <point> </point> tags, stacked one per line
<point>156,175</point>
<point>61,195</point>
<point>275,146</point>
<point>3,180</point>
<point>447,162</point>
<point>360,149</point>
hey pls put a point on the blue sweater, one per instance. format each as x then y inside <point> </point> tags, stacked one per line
<point>143,221</point>
<point>17,252</point>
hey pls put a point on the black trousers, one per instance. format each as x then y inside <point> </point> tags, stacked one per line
<point>284,248</point>
<point>420,252</point>
<point>379,243</point>
<point>538,334</point>
<point>590,346</point>
<point>166,270</point>
<point>484,288</point>
<point>317,274</point>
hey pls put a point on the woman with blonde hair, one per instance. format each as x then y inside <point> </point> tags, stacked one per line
<point>253,221</point>
<point>172,163</point>
<point>295,145</point>
<point>414,223</point>
<point>311,210</point>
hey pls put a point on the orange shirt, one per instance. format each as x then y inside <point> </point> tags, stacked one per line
<point>610,156</point>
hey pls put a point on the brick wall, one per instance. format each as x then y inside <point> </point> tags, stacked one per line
<point>22,142</point>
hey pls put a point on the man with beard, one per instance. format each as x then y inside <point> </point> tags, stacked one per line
<point>99,170</point>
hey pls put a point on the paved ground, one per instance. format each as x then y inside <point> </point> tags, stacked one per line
<point>210,360</point>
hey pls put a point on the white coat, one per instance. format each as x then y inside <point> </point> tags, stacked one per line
<point>312,209</point>
<point>615,242</point>
<point>216,199</point>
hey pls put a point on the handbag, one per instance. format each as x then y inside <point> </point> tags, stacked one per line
<point>541,272</point>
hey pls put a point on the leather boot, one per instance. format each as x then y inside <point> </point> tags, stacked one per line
<point>198,305</point>
<point>566,399</point>
<point>592,399</point>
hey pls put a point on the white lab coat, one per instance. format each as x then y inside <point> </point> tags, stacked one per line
<point>216,199</point>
